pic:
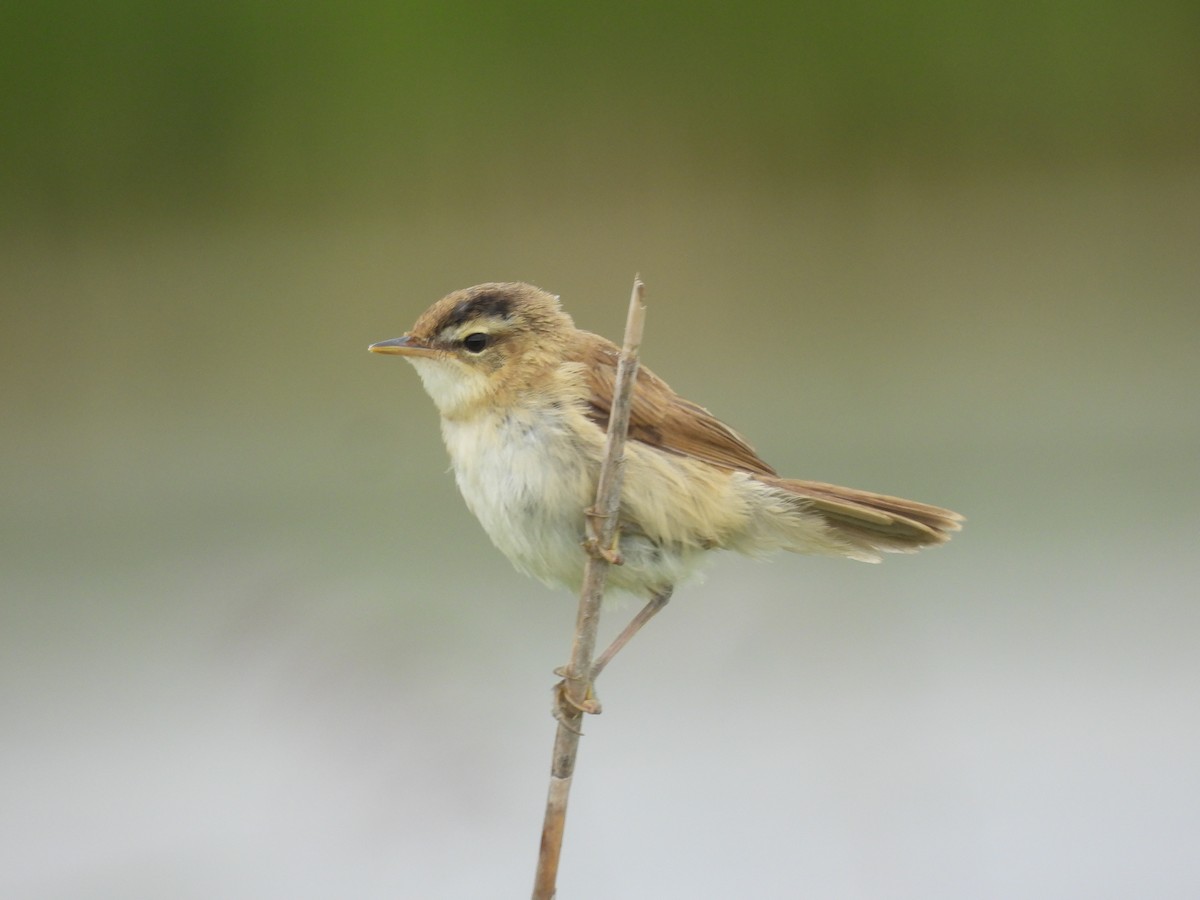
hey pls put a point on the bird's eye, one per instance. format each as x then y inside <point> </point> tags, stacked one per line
<point>475,343</point>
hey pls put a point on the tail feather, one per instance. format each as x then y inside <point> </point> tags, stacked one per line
<point>869,522</point>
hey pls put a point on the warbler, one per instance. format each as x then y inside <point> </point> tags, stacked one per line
<point>525,398</point>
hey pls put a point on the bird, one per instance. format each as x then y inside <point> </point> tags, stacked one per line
<point>525,397</point>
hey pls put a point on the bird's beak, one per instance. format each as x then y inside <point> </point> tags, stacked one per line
<point>403,346</point>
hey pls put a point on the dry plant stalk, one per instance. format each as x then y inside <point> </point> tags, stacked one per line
<point>602,534</point>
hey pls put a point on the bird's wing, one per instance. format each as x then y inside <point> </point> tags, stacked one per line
<point>661,418</point>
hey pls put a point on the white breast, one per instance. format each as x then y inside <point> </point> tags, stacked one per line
<point>526,481</point>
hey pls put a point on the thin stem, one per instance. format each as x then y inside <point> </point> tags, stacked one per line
<point>602,532</point>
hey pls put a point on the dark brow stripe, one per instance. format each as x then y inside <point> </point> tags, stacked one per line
<point>485,306</point>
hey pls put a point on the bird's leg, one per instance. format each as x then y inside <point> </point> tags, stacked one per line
<point>657,601</point>
<point>564,704</point>
<point>568,707</point>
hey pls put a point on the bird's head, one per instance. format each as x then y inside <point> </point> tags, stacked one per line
<point>484,343</point>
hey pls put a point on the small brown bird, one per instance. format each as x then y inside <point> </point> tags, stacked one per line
<point>525,397</point>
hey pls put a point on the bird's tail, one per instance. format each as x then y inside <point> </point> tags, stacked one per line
<point>868,524</point>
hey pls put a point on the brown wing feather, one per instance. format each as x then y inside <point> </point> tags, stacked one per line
<point>661,418</point>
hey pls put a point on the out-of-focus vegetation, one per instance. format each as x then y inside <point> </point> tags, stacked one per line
<point>155,105</point>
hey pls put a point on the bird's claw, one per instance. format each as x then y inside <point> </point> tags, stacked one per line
<point>568,707</point>
<point>592,544</point>
<point>611,555</point>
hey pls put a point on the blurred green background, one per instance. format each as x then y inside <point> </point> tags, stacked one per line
<point>252,643</point>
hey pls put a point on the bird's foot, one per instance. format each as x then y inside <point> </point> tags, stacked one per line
<point>594,546</point>
<point>611,555</point>
<point>568,706</point>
